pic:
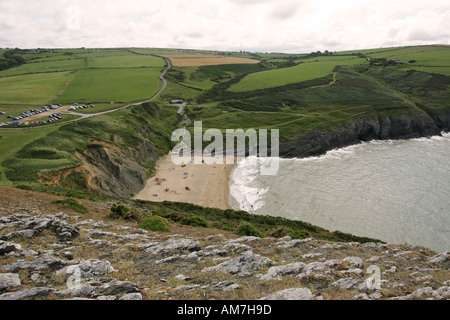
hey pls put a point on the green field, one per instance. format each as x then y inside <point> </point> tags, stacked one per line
<point>308,70</point>
<point>97,75</point>
<point>126,61</point>
<point>105,85</point>
<point>431,56</point>
<point>33,89</point>
<point>45,67</point>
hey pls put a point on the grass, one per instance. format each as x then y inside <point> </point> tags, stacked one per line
<point>240,222</point>
<point>105,85</point>
<point>46,77</point>
<point>284,76</point>
<point>296,110</point>
<point>45,67</point>
<point>72,204</point>
<point>15,140</point>
<point>430,56</point>
<point>126,61</point>
<point>33,89</point>
<point>129,129</point>
<point>205,77</point>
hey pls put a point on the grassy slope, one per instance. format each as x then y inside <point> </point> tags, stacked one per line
<point>308,70</point>
<point>356,91</point>
<point>13,141</point>
<point>57,151</point>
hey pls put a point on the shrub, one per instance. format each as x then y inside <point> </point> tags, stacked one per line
<point>123,212</point>
<point>72,204</point>
<point>299,234</point>
<point>24,187</point>
<point>196,222</point>
<point>247,229</point>
<point>153,224</point>
<point>278,232</point>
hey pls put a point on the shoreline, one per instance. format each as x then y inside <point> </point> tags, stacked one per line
<point>208,183</point>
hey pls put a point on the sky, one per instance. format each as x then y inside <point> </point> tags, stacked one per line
<point>291,26</point>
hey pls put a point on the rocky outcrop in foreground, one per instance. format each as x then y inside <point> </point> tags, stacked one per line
<point>63,256</point>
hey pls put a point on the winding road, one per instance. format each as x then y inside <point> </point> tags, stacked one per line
<point>85,116</point>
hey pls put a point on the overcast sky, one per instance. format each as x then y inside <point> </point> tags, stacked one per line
<point>251,25</point>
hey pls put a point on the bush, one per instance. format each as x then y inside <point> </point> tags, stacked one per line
<point>153,224</point>
<point>299,234</point>
<point>247,229</point>
<point>72,204</point>
<point>196,222</point>
<point>123,212</point>
<point>24,187</point>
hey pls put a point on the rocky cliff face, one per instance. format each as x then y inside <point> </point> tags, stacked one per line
<point>117,171</point>
<point>108,169</point>
<point>46,254</point>
<point>318,142</point>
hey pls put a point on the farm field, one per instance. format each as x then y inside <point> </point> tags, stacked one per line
<point>302,72</point>
<point>423,55</point>
<point>126,61</point>
<point>78,75</point>
<point>193,60</point>
<point>105,85</point>
<point>32,89</point>
<point>45,67</point>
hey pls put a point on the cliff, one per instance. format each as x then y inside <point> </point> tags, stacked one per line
<point>318,142</point>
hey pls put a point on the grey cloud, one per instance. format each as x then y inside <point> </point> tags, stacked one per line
<point>284,12</point>
<point>421,35</point>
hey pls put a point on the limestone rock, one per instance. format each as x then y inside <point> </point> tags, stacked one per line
<point>117,287</point>
<point>277,272</point>
<point>242,266</point>
<point>440,258</point>
<point>131,296</point>
<point>32,293</point>
<point>7,247</point>
<point>172,245</point>
<point>291,294</point>
<point>9,280</point>
<point>91,267</point>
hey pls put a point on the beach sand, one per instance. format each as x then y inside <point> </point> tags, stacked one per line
<point>208,184</point>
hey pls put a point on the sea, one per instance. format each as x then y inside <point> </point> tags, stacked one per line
<point>397,191</point>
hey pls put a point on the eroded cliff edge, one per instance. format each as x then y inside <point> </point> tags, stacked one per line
<point>318,142</point>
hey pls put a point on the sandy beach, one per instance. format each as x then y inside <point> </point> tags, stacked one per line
<point>208,184</point>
